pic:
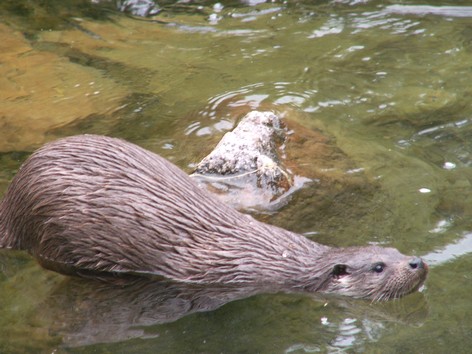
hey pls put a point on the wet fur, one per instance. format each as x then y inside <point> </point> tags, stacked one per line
<point>97,204</point>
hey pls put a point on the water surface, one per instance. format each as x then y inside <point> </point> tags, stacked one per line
<point>387,82</point>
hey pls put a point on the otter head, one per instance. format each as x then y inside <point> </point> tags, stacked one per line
<point>374,273</point>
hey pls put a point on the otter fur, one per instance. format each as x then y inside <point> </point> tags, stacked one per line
<point>92,204</point>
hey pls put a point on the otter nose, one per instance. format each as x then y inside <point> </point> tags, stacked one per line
<point>416,263</point>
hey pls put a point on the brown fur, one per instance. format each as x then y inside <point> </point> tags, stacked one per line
<point>97,204</point>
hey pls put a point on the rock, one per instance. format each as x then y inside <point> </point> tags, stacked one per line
<point>245,168</point>
<point>141,8</point>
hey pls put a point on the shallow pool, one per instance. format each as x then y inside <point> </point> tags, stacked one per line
<point>387,82</point>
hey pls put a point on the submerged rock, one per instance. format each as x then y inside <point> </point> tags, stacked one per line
<point>41,90</point>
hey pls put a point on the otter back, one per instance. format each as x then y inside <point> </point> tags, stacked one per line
<point>93,203</point>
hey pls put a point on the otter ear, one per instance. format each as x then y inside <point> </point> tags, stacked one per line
<point>340,270</point>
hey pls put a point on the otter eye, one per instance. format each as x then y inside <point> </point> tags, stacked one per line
<point>378,267</point>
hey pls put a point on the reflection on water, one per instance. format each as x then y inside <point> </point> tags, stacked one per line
<point>80,313</point>
<point>448,11</point>
<point>451,251</point>
<point>379,98</point>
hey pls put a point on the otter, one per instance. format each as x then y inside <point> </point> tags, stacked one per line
<point>92,204</point>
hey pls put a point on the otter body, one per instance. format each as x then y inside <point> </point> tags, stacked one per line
<point>94,204</point>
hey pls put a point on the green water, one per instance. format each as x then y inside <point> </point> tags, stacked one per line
<point>388,82</point>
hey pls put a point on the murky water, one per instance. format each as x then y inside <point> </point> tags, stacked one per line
<point>388,83</point>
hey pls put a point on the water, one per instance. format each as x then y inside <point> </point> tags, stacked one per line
<point>387,83</point>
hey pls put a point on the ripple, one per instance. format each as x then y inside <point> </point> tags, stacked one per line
<point>246,96</point>
<point>451,251</point>
<point>384,20</point>
<point>436,129</point>
<point>421,10</point>
<point>198,129</point>
<point>332,26</point>
<point>263,96</point>
<point>348,333</point>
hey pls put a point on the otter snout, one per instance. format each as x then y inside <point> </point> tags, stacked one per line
<point>417,263</point>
